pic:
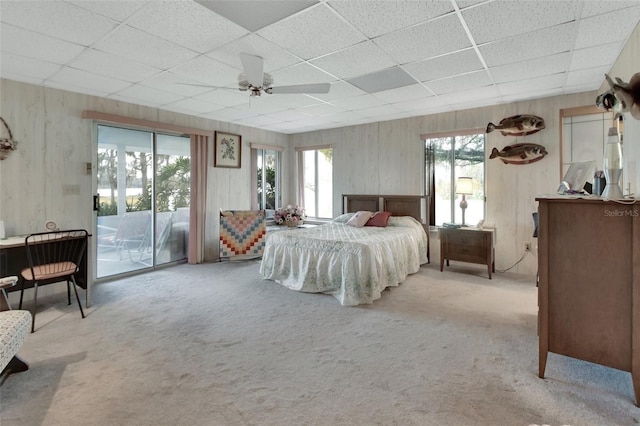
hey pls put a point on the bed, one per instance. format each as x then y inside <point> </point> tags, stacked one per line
<point>353,264</point>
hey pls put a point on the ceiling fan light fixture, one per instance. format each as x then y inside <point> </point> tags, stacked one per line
<point>243,83</point>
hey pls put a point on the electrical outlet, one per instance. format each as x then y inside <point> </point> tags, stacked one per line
<point>527,246</point>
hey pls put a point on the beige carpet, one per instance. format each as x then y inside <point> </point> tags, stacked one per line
<point>214,344</point>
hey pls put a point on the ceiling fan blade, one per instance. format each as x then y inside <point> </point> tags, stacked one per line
<point>253,68</point>
<point>208,86</point>
<point>301,88</point>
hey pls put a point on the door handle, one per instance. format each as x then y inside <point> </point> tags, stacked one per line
<point>96,203</point>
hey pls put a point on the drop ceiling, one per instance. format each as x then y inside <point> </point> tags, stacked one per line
<point>384,60</point>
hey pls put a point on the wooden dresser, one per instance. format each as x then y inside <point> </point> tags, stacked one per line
<point>589,288</point>
<point>467,245</point>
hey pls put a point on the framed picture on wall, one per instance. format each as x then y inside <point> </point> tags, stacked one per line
<point>228,150</point>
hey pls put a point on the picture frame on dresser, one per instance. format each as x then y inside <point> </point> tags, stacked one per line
<point>227,150</point>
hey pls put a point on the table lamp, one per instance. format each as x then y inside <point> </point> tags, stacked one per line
<point>464,186</point>
<point>612,165</point>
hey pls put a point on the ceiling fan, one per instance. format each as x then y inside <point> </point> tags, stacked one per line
<point>255,80</point>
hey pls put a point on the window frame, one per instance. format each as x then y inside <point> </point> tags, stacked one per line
<point>429,177</point>
<point>255,148</point>
<point>300,169</point>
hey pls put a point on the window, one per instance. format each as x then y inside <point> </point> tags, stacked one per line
<point>144,180</point>
<point>315,181</point>
<point>447,159</point>
<point>268,180</point>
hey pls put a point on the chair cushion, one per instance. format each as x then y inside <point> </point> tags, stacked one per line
<point>49,270</point>
<point>14,329</point>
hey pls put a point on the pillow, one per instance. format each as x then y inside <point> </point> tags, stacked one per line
<point>359,219</point>
<point>343,218</point>
<point>379,219</point>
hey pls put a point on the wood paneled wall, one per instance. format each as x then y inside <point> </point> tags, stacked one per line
<point>46,177</point>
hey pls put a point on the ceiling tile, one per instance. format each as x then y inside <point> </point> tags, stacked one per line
<point>447,65</point>
<point>31,44</point>
<point>590,30</point>
<point>226,97</point>
<point>375,18</point>
<point>192,106</point>
<point>339,90</point>
<point>57,19</point>
<point>79,79</point>
<point>205,70</point>
<point>437,37</point>
<point>358,102</point>
<point>532,84</point>
<point>419,104</point>
<point>462,4</point>
<point>362,58</point>
<point>532,68</point>
<point>586,77</point>
<point>289,115</point>
<point>470,95</point>
<point>592,8</point>
<point>291,100</point>
<point>302,73</point>
<point>254,15</point>
<point>274,56</point>
<point>69,87</point>
<point>257,105</point>
<point>317,32</point>
<point>174,83</point>
<point>116,10</point>
<point>530,95</point>
<point>460,83</point>
<point>548,41</point>
<point>139,46</point>
<point>109,65</point>
<point>407,93</point>
<point>229,114</point>
<point>321,110</point>
<point>186,23</point>
<point>33,68</point>
<point>345,116</point>
<point>138,92</point>
<point>595,56</point>
<point>501,19</point>
<point>378,111</point>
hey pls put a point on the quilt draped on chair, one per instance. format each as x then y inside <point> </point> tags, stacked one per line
<point>242,233</point>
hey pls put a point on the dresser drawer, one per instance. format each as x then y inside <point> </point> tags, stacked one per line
<point>467,239</point>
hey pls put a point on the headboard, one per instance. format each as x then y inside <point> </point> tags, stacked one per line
<point>399,205</point>
<point>416,206</point>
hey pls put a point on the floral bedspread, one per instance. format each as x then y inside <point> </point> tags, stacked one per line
<point>353,264</point>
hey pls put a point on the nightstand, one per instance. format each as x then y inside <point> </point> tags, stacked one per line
<point>468,244</point>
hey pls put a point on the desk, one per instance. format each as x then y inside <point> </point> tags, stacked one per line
<point>466,244</point>
<point>13,259</point>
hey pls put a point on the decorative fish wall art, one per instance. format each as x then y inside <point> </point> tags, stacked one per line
<point>520,153</point>
<point>518,125</point>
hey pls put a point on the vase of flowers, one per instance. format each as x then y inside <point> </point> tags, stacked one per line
<point>289,216</point>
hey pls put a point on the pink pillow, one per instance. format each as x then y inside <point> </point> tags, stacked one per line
<point>359,219</point>
<point>379,219</point>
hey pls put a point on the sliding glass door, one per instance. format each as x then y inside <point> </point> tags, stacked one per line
<point>143,187</point>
